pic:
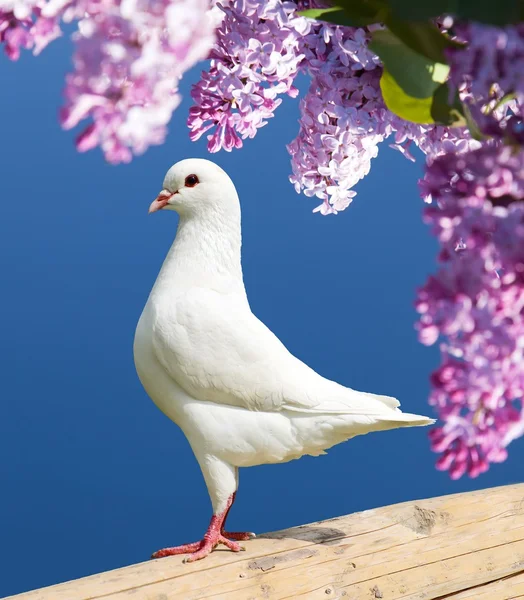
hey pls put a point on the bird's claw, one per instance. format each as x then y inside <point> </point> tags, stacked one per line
<point>214,536</point>
<point>199,550</point>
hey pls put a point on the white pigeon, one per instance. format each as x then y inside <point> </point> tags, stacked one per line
<point>218,372</point>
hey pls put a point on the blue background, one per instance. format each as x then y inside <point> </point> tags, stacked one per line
<point>93,476</point>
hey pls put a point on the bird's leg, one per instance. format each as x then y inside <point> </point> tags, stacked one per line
<point>222,482</point>
<point>239,536</point>
<point>213,536</point>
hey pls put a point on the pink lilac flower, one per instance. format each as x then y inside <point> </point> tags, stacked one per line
<point>432,140</point>
<point>129,58</point>
<point>25,25</point>
<point>476,302</point>
<point>491,63</point>
<point>344,119</point>
<point>128,61</point>
<point>255,59</point>
<point>340,124</point>
<point>130,55</point>
<point>488,72</point>
<point>337,139</point>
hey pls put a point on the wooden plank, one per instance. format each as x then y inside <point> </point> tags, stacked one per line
<point>510,587</point>
<point>459,547</point>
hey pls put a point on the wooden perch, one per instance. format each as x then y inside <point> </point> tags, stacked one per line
<point>465,546</point>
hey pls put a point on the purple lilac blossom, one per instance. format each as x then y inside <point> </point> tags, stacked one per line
<point>343,120</point>
<point>488,73</point>
<point>29,24</point>
<point>129,58</point>
<point>261,46</point>
<point>131,54</point>
<point>476,302</point>
<point>255,59</point>
<point>342,117</point>
<point>492,63</point>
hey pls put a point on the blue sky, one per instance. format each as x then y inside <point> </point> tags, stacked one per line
<point>93,476</point>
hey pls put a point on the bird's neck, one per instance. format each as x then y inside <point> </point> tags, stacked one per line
<point>205,253</point>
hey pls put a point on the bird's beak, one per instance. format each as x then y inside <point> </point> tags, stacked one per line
<point>160,201</point>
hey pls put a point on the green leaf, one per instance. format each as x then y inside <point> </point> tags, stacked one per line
<point>501,12</point>
<point>474,130</point>
<point>359,13</point>
<point>422,37</point>
<point>333,14</point>
<point>445,113</point>
<point>409,79</point>
<point>353,13</point>
<point>415,74</point>
<point>364,12</point>
<point>318,13</point>
<point>418,10</point>
<point>503,100</point>
<point>417,110</point>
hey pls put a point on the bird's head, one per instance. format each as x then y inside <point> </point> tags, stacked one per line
<point>194,186</point>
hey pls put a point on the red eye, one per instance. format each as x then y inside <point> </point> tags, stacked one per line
<point>191,180</point>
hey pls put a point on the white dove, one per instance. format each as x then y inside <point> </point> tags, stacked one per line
<point>219,373</point>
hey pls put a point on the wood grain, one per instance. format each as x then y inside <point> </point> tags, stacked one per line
<point>460,547</point>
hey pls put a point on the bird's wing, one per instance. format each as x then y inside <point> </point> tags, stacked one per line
<point>213,347</point>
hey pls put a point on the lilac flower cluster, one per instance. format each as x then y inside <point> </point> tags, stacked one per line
<point>261,47</point>
<point>255,59</point>
<point>27,24</point>
<point>130,55</point>
<point>343,118</point>
<point>492,63</point>
<point>488,72</point>
<point>476,300</point>
<point>129,58</point>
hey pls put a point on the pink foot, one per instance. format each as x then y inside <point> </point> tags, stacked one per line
<point>215,535</point>
<point>199,550</point>
<point>184,549</point>
<point>239,536</point>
